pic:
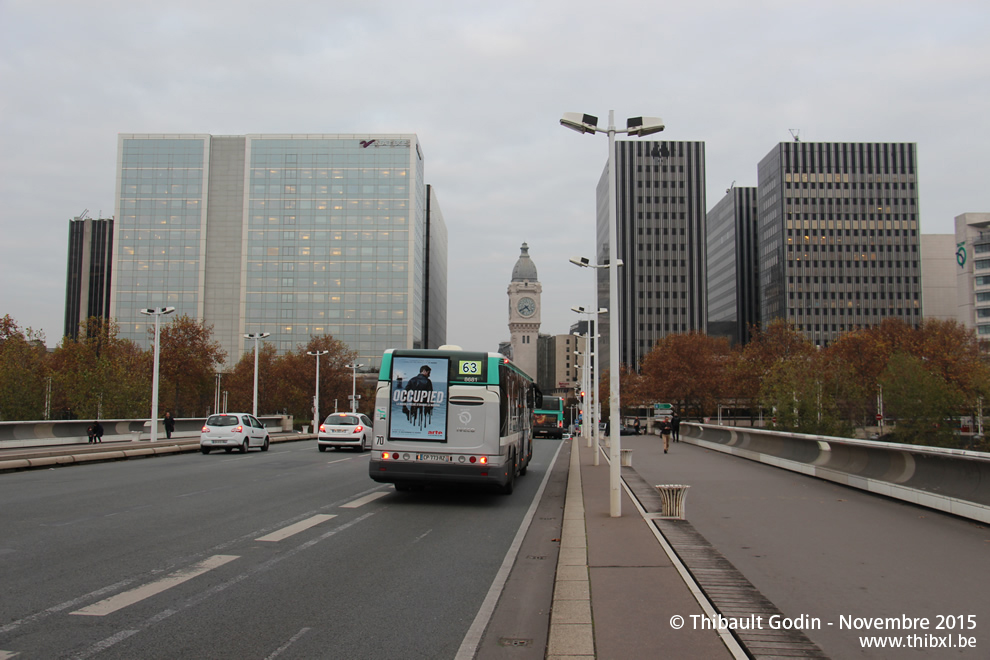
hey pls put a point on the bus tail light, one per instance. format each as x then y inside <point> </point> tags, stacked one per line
<point>483,460</point>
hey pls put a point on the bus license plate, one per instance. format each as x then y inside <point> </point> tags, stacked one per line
<point>435,458</point>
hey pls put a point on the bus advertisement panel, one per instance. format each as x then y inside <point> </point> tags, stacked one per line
<point>419,399</point>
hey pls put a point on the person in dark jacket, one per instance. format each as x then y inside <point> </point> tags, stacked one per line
<point>95,432</point>
<point>169,423</point>
<point>675,427</point>
<point>665,430</point>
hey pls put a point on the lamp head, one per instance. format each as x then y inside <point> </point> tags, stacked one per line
<point>642,126</point>
<point>579,122</point>
<point>579,310</point>
<point>584,262</point>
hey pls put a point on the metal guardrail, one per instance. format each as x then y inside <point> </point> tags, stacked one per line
<point>72,432</point>
<point>956,481</point>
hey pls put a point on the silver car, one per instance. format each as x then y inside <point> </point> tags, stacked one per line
<point>231,431</point>
<point>345,430</point>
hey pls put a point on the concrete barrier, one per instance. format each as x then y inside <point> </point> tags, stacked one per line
<point>73,432</point>
<point>952,480</point>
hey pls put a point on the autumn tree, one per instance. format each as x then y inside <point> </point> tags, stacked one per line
<point>101,375</point>
<point>23,372</point>
<point>238,383</point>
<point>688,370</point>
<point>296,377</point>
<point>287,383</point>
<point>920,399</point>
<point>778,343</point>
<point>188,362</point>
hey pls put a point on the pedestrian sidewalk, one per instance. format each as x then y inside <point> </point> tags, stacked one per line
<point>617,594</point>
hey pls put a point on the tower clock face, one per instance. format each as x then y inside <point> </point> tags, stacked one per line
<point>526,306</point>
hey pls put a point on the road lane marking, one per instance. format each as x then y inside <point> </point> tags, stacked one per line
<point>285,646</point>
<point>216,589</point>
<point>114,603</point>
<point>361,501</point>
<point>300,526</point>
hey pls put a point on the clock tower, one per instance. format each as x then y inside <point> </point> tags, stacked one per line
<point>524,313</point>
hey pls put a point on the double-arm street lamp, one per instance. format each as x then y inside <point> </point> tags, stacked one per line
<point>256,336</point>
<point>640,127</point>
<point>355,367</point>
<point>317,420</point>
<point>157,312</point>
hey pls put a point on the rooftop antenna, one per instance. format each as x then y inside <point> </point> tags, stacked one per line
<point>795,133</point>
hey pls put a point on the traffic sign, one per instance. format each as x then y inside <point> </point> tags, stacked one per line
<point>879,417</point>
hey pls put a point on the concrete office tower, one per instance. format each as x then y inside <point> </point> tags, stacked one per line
<point>733,278</point>
<point>558,370</point>
<point>973,273</point>
<point>87,280</point>
<point>838,236</point>
<point>295,235</point>
<point>660,207</point>
<point>938,277</point>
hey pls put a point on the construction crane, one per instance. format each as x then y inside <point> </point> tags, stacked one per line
<point>82,216</point>
<point>795,133</point>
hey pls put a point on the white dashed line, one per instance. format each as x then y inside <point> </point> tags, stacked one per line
<point>114,603</point>
<point>300,526</point>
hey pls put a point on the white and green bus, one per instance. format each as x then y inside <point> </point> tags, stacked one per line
<point>452,416</point>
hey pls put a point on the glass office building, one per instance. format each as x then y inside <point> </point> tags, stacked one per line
<point>294,235</point>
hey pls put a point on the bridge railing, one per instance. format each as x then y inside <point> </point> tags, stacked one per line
<point>952,480</point>
<point>70,432</point>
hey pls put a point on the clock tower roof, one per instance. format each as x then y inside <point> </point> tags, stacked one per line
<point>525,269</point>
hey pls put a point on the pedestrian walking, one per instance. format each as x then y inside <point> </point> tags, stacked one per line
<point>675,427</point>
<point>665,431</point>
<point>169,423</point>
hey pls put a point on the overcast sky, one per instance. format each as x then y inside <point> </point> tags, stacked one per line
<point>483,85</point>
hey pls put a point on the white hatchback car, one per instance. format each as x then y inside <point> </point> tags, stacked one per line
<point>345,430</point>
<point>230,431</point>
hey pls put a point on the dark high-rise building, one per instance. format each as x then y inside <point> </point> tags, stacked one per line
<point>838,236</point>
<point>660,207</point>
<point>733,278</point>
<point>87,281</point>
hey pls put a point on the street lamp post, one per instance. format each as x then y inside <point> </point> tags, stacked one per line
<point>585,367</point>
<point>256,336</point>
<point>158,313</point>
<point>635,126</point>
<point>316,402</point>
<point>593,385</point>
<point>355,367</point>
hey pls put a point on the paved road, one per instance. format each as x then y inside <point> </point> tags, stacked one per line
<point>289,553</point>
<point>823,550</point>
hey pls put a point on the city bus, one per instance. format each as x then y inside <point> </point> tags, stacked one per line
<point>548,420</point>
<point>452,416</point>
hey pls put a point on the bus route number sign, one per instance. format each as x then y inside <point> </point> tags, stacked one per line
<point>469,370</point>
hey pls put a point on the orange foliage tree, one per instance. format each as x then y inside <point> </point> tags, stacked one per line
<point>688,370</point>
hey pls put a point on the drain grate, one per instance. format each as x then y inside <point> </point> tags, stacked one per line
<point>513,641</point>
